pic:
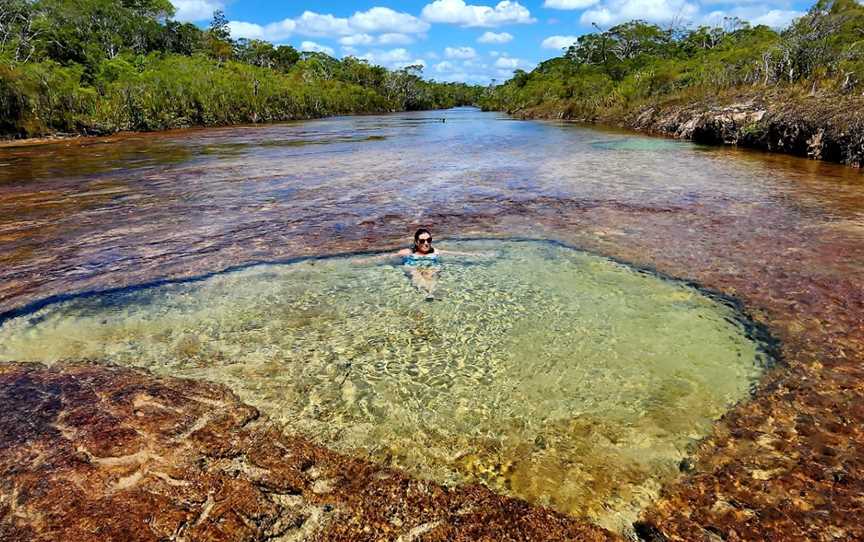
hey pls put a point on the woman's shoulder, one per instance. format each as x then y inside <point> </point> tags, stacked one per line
<point>404,252</point>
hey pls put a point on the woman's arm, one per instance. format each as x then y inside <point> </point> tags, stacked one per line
<point>384,256</point>
<point>458,253</point>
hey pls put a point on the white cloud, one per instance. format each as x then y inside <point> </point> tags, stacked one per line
<point>393,55</point>
<point>277,31</point>
<point>568,4</point>
<point>393,59</point>
<point>316,24</point>
<point>311,46</point>
<point>194,10</point>
<point>505,62</point>
<point>460,52</point>
<point>239,29</point>
<point>775,18</point>
<point>458,12</point>
<point>383,39</point>
<point>558,42</point>
<point>492,37</point>
<point>494,53</point>
<point>356,39</point>
<point>477,70</point>
<point>655,11</point>
<point>395,28</point>
<point>395,38</point>
<point>611,12</point>
<point>380,19</point>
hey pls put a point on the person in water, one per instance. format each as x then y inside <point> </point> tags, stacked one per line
<point>421,262</point>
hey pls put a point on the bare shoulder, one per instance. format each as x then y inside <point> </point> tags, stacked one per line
<point>404,252</point>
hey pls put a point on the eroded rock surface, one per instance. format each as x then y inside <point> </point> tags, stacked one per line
<point>90,452</point>
<point>821,128</point>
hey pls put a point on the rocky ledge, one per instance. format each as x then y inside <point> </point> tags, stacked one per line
<point>91,452</point>
<point>827,128</point>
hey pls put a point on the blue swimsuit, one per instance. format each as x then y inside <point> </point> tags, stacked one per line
<point>415,259</point>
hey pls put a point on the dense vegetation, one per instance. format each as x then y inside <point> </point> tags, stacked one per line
<point>637,63</point>
<point>99,66</point>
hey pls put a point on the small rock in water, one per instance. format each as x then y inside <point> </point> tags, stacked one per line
<point>686,465</point>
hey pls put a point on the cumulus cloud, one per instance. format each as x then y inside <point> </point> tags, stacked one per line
<point>318,25</point>
<point>356,39</point>
<point>384,39</point>
<point>656,11</point>
<point>492,37</point>
<point>312,47</point>
<point>568,4</point>
<point>477,70</point>
<point>505,62</point>
<point>380,19</point>
<point>395,38</point>
<point>775,18</point>
<point>464,72</point>
<point>393,58</point>
<point>611,12</point>
<point>394,27</point>
<point>194,10</point>
<point>558,42</point>
<point>390,57</point>
<point>458,12</point>
<point>460,52</point>
<point>277,31</point>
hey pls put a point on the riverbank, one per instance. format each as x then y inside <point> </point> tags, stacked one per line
<point>821,126</point>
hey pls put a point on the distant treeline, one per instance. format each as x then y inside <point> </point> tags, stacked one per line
<point>636,63</point>
<point>100,66</point>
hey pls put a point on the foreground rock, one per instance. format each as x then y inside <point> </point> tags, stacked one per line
<point>89,452</point>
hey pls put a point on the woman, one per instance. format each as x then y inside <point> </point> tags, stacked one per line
<point>421,263</point>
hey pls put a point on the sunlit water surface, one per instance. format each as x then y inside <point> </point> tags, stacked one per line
<point>544,372</point>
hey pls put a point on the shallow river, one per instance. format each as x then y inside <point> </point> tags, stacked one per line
<point>545,371</point>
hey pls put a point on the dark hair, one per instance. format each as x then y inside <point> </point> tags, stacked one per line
<point>417,235</point>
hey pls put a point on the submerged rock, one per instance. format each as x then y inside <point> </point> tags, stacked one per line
<point>92,452</point>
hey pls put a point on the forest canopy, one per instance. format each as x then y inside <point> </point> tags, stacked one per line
<point>637,62</point>
<point>100,66</point>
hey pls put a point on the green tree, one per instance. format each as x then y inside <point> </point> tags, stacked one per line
<point>219,41</point>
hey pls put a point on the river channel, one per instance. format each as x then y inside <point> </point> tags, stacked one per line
<point>718,292</point>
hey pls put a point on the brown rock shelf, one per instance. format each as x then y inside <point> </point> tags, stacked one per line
<point>91,452</point>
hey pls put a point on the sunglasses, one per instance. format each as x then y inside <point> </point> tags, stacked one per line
<point>424,241</point>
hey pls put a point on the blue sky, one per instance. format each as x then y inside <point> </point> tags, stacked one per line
<point>462,40</point>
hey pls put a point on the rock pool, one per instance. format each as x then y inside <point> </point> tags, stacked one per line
<point>545,372</point>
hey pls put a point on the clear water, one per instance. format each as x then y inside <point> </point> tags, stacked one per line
<point>544,372</point>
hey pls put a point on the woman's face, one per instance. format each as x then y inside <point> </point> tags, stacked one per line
<point>424,242</point>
